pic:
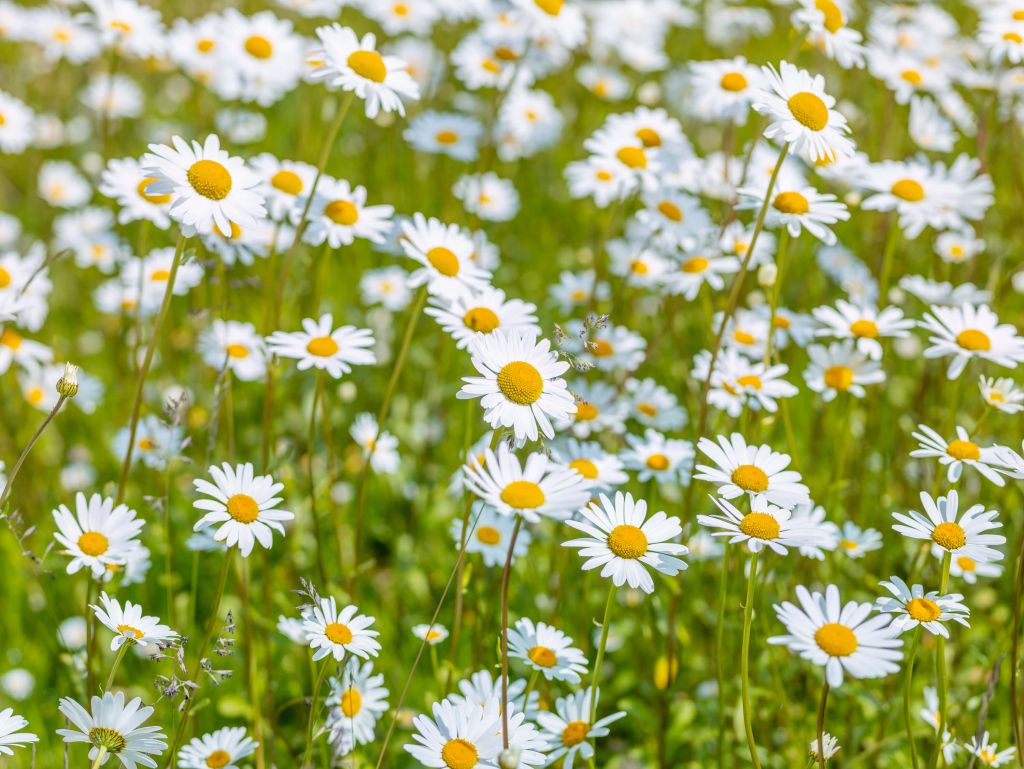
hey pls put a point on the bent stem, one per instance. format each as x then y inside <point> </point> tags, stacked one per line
<point>748,613</point>
<point>116,665</point>
<point>312,715</point>
<point>506,572</point>
<point>144,370</point>
<point>908,677</point>
<point>821,726</point>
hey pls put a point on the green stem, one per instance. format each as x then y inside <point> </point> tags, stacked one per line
<point>25,451</point>
<point>595,680</point>
<point>821,725</point>
<point>748,613</point>
<point>908,677</point>
<point>505,575</point>
<point>780,259</point>
<point>940,653</point>
<point>312,715</point>
<point>116,665</point>
<point>99,757</point>
<point>723,591</point>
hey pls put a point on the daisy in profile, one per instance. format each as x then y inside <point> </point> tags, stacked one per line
<point>357,700</point>
<point>220,749</point>
<point>125,181</point>
<point>962,535</point>
<point>829,746</point>
<point>930,715</point>
<point>967,569</point>
<point>520,384</point>
<point>652,405</point>
<point>538,488</point>
<point>839,368</point>
<point>242,506</point>
<point>462,736</point>
<point>319,345</point>
<point>957,453</point>
<point>653,456</point>
<point>622,540</point>
<point>353,64</point>
<point>802,114</point>
<point>766,526</point>
<point>381,448</point>
<point>865,325</point>
<point>912,607</point>
<point>432,634</point>
<point>797,208</point>
<point>113,728</point>
<point>469,316</point>
<point>490,536</point>
<point>98,534</point>
<point>11,735</point>
<point>547,650</point>
<point>445,252</point>
<point>856,542</point>
<point>334,633</point>
<point>968,332</point>
<point>988,752</point>
<point>569,731</point>
<point>843,639</point>
<point>208,187</point>
<point>601,470</point>
<point>754,470</point>
<point>130,625</point>
<point>1001,394</point>
<point>235,346</point>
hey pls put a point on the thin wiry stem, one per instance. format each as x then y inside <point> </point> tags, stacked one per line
<point>748,613</point>
<point>505,575</point>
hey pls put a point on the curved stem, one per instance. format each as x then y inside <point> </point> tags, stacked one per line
<point>748,613</point>
<point>821,726</point>
<point>599,659</point>
<point>25,452</point>
<point>116,665</point>
<point>908,677</point>
<point>505,574</point>
<point>312,715</point>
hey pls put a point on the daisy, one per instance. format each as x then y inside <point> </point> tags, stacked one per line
<point>802,114</point>
<point>958,452</point>
<point>521,383</point>
<point>842,639</point>
<point>490,536</point>
<point>386,287</point>
<point>11,734</point>
<point>487,196</point>
<point>673,218</point>
<point>546,19</point>
<point>622,540</point>
<point>963,567</point>
<point>481,688</point>
<point>129,625</point>
<point>1001,394</point>
<point>60,184</point>
<point>693,272</point>
<point>357,700</point>
<point>541,487</point>
<point>469,316</point>
<point>458,736</point>
<point>609,347</point>
<point>575,289</point>
<point>766,526</point>
<point>14,348</point>
<point>381,448</point>
<point>755,470</point>
<point>654,456</point>
<point>857,542</point>
<point>568,729</point>
<point>740,383</point>
<point>839,368</point>
<point>319,345</point>
<point>865,325</point>
<point>912,607</point>
<point>989,753</point>
<point>723,89</point>
<point>829,746</point>
<point>15,125</point>
<point>930,714</point>
<point>652,405</point>
<point>432,634</point>
<point>827,30</point>
<point>928,127</point>
<point>963,536</point>
<point>797,208</point>
<point>339,215</point>
<point>156,442</point>
<point>600,178</point>
<point>98,534</point>
<point>599,409</point>
<point>114,728</point>
<point>330,632</point>
<point>235,346</point>
<point>354,64</point>
<point>445,252</point>
<point>601,470</point>
<point>285,182</point>
<point>967,332</point>
<point>208,187</point>
<point>124,181</point>
<point>546,650</point>
<point>445,133</point>
<point>221,749</point>
<point>243,507</point>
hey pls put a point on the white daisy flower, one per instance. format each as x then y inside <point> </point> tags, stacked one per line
<point>490,535</point>
<point>621,539</point>
<point>546,650</point>
<point>988,752</point>
<point>1002,394</point>
<point>130,625</point>
<point>458,736</point>
<point>432,634</point>
<point>600,409</point>
<point>797,208</point>
<point>693,272</point>
<point>967,332</point>
<point>333,633</point>
<point>220,749</point>
<point>471,315</point>
<point>357,700</point>
<point>839,368</point>
<point>285,183</point>
<point>16,127</point>
<point>487,196</point>
<point>11,735</point>
<point>98,534</point>
<point>958,452</point>
<point>569,731</point>
<point>115,727</point>
<point>236,346</point>
<point>912,607</point>
<point>843,639</point>
<point>962,536</point>
<point>243,507</point>
<point>766,526</point>
<point>966,568</point>
<point>445,252</point>
<point>829,746</point>
<point>652,405</point>
<point>601,470</point>
<point>857,542</point>
<point>754,470</point>
<point>445,133</point>
<point>339,215</point>
<point>481,688</point>
<point>653,456</point>
<point>125,181</point>
<point>381,448</point>
<point>723,89</point>
<point>319,345</point>
<point>865,325</point>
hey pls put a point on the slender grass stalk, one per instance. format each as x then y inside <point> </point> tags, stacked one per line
<point>505,574</point>
<point>116,665</point>
<point>908,677</point>
<point>318,393</point>
<point>940,653</point>
<point>25,452</point>
<point>1016,723</point>
<point>146,363</point>
<point>312,714</point>
<point>599,659</point>
<point>821,725</point>
<point>720,672</point>
<point>748,613</point>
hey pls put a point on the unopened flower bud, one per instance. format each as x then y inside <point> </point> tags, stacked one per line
<point>67,385</point>
<point>766,275</point>
<point>508,758</point>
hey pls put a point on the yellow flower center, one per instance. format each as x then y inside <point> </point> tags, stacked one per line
<point>93,543</point>
<point>218,759</point>
<point>601,348</point>
<point>962,450</point>
<point>670,211</point>
<point>974,340</point>
<point>121,26</point>
<point>322,346</point>
<point>243,508</point>
<point>444,261</point>
<point>743,337</point>
<point>864,328</point>
<point>912,76</point>
<point>695,264</point>
<point>575,733</point>
<point>1013,37</point>
<point>638,267</point>
<point>238,351</point>
<point>657,462</point>
<point>481,319</point>
<point>809,110</point>
<point>781,321</point>
<point>205,45</point>
<point>488,535</point>
<point>210,179</point>
<point>584,467</point>
<point>632,157</point>
<point>839,377</point>
<point>791,203</point>
<point>368,64</point>
<point>550,7</point>
<point>505,53</point>
<point>750,380</point>
<point>342,212</point>
<point>156,200</point>
<point>338,633</point>
<point>122,629</point>
<point>146,443</point>
<point>760,526</point>
<point>287,181</point>
<point>966,564</point>
<point>923,609</point>
<point>446,137</point>
<point>949,536</point>
<point>750,478</point>
<point>648,137</point>
<point>35,396</point>
<point>10,338</point>
<point>543,656</point>
<point>848,544</point>
<point>833,15</point>
<point>647,408</point>
<point>111,739</point>
<point>259,47</point>
<point>836,640</point>
<point>351,702</point>
<point>586,412</point>
<point>909,190</point>
<point>733,81</point>
<point>627,541</point>
<point>520,382</point>
<point>523,495</point>
<point>459,754</point>
<point>5,278</point>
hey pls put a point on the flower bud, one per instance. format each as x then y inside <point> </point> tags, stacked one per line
<point>67,385</point>
<point>508,758</point>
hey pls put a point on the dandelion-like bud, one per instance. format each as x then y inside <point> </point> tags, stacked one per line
<point>508,758</point>
<point>67,385</point>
